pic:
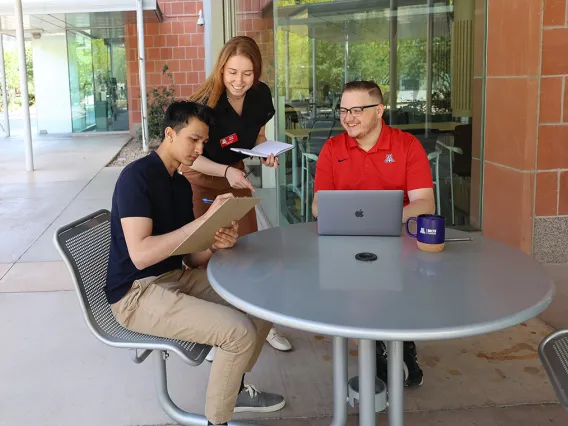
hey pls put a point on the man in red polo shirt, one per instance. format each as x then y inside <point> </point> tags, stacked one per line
<point>372,155</point>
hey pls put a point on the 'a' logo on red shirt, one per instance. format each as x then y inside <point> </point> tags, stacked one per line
<point>229,140</point>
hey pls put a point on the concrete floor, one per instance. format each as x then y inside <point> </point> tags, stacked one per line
<point>54,372</point>
<point>522,415</point>
<point>557,314</point>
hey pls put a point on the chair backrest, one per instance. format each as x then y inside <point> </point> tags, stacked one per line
<point>84,245</point>
<point>463,139</point>
<point>322,124</point>
<point>319,137</point>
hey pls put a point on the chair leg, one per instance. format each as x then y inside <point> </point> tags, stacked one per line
<point>139,359</point>
<point>170,408</point>
<point>452,189</point>
<point>308,198</point>
<point>308,190</point>
<point>302,190</point>
<point>438,207</point>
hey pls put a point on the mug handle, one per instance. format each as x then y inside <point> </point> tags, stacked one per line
<point>410,219</point>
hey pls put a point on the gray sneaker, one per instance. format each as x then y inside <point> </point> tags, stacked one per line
<point>250,399</point>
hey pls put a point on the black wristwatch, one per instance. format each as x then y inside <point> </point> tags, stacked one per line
<point>213,249</point>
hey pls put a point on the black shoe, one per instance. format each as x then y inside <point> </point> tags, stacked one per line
<point>413,375</point>
<point>381,361</point>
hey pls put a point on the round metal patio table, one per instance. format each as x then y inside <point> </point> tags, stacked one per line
<point>293,277</point>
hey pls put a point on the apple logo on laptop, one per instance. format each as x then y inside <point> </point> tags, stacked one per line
<point>359,213</point>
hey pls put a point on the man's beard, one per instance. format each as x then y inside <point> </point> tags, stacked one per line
<point>369,129</point>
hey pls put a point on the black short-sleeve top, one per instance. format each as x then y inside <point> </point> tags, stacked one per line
<point>145,188</point>
<point>232,130</point>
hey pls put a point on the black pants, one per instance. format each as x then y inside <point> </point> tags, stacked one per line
<point>407,347</point>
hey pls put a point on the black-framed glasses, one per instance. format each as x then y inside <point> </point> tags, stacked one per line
<point>355,111</point>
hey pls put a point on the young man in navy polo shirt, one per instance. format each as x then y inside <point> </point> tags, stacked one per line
<point>169,296</point>
<point>370,155</point>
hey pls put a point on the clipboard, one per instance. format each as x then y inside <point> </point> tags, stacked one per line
<point>202,238</point>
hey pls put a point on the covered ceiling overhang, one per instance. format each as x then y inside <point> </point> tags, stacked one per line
<point>53,17</point>
<point>363,20</point>
<point>48,7</point>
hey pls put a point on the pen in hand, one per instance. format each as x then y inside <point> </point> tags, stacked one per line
<point>208,201</point>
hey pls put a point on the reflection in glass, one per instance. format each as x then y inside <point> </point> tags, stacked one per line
<point>97,78</point>
<point>81,81</point>
<point>421,55</point>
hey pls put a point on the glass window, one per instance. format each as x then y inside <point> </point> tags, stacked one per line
<point>81,81</point>
<point>420,54</point>
<point>97,79</point>
<point>255,20</point>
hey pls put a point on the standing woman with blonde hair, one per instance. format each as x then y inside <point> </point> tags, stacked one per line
<point>243,105</point>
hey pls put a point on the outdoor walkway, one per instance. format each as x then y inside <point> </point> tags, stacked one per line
<point>53,372</point>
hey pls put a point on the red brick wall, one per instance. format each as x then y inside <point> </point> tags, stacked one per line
<point>177,42</point>
<point>250,22</point>
<point>552,151</point>
<point>525,181</point>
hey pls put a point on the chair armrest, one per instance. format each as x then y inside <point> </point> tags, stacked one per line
<point>450,147</point>
<point>139,359</point>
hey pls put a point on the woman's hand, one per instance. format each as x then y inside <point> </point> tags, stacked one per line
<point>237,179</point>
<point>226,237</point>
<point>270,161</point>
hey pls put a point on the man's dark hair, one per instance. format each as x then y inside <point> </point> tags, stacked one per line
<point>370,87</point>
<point>179,113</point>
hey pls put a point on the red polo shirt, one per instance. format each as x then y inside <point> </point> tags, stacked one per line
<point>397,161</point>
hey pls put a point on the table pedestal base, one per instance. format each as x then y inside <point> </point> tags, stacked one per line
<point>395,383</point>
<point>367,374</point>
<point>339,382</point>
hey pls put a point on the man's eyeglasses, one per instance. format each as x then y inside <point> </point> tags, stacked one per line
<point>355,111</point>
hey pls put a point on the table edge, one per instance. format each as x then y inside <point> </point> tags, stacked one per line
<point>398,335</point>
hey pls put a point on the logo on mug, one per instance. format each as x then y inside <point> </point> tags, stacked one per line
<point>427,231</point>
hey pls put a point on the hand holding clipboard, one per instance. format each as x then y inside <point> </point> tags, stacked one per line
<point>223,211</point>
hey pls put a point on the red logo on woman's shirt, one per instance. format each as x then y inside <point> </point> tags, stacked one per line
<point>229,140</point>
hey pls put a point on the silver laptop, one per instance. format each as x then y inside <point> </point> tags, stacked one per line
<point>377,213</point>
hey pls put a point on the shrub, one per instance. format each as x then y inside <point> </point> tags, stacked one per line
<point>158,101</point>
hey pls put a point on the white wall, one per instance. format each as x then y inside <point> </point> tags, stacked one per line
<point>51,81</point>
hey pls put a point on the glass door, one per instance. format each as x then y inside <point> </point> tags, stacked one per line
<point>117,86</point>
<point>81,81</point>
<point>97,70</point>
<point>102,81</point>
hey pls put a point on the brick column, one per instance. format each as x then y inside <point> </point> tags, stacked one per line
<point>250,22</point>
<point>526,133</point>
<point>550,237</point>
<point>176,42</point>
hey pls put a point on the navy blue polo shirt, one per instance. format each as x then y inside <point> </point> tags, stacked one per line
<point>145,189</point>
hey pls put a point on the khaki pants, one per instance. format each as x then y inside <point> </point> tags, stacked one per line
<point>182,305</point>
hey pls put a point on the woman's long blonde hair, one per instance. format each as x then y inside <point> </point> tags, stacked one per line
<point>211,90</point>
